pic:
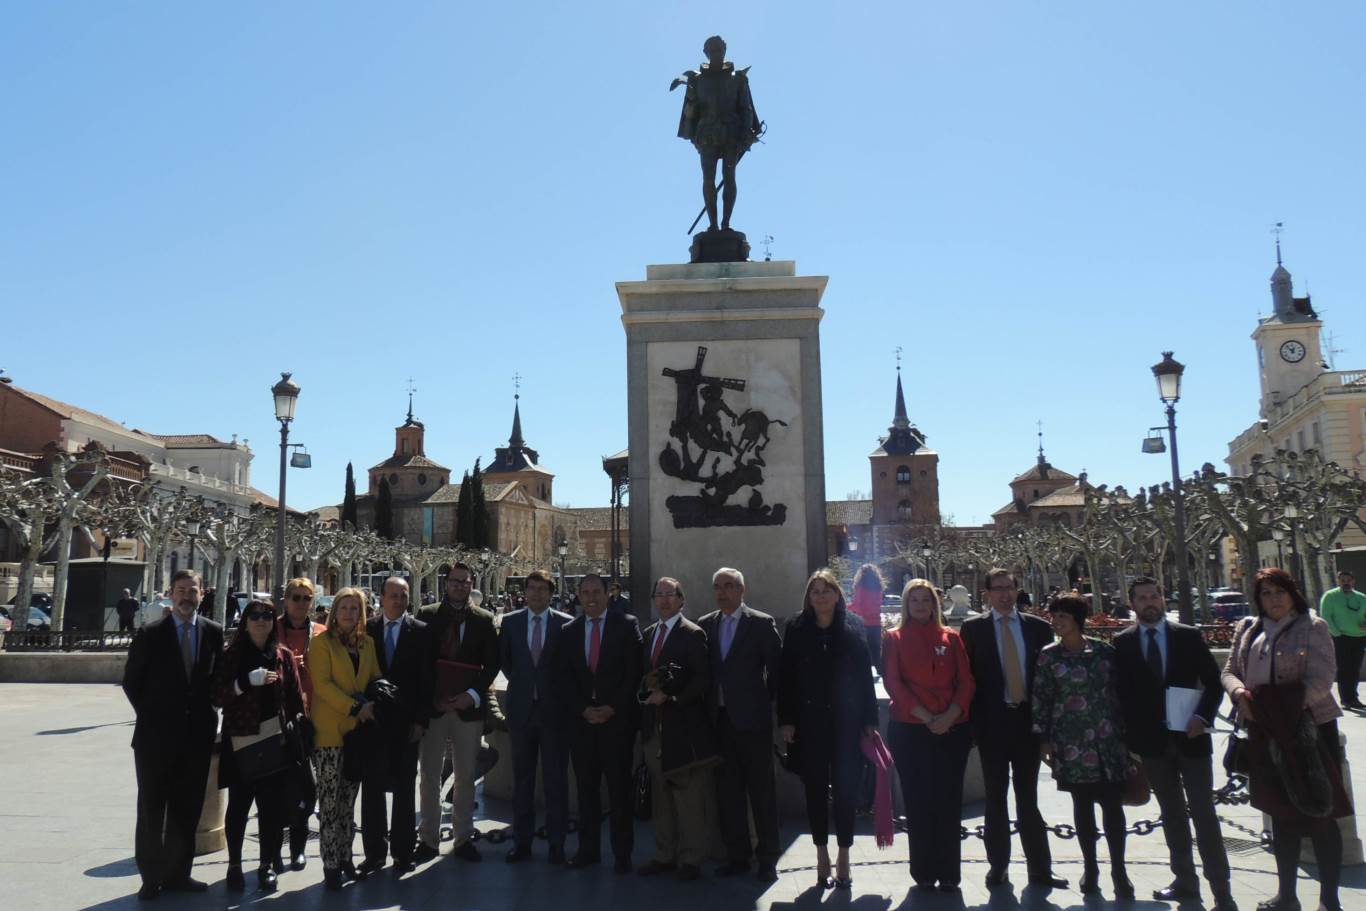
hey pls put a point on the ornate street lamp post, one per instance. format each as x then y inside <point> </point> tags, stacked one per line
<point>564,551</point>
<point>191,529</point>
<point>286,395</point>
<point>1168,374</point>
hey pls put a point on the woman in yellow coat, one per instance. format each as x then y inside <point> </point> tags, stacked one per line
<point>341,663</point>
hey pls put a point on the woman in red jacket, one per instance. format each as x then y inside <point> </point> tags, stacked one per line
<point>925,670</point>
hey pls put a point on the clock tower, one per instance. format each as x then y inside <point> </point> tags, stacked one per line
<point>1288,352</point>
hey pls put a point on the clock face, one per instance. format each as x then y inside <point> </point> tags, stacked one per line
<point>1292,351</point>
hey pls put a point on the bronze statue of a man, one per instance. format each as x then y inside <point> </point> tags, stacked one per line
<point>719,119</point>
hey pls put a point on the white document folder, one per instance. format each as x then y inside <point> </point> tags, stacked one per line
<point>1181,703</point>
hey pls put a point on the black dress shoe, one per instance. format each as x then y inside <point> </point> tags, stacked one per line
<point>234,879</point>
<point>768,873</point>
<point>689,872</point>
<point>149,892</point>
<point>1175,893</point>
<point>369,866</point>
<point>556,856</point>
<point>349,871</point>
<point>844,884</point>
<point>1048,881</point>
<point>401,867</point>
<point>516,854</point>
<point>1224,902</point>
<point>582,860</point>
<point>468,852</point>
<point>1089,884</point>
<point>733,868</point>
<point>424,852</point>
<point>622,865</point>
<point>266,880</point>
<point>298,862</point>
<point>654,867</point>
<point>1278,903</point>
<point>998,877</point>
<point>185,885</point>
<point>1124,887</point>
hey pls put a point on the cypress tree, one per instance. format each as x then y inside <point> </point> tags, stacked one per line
<point>384,511</point>
<point>464,513</point>
<point>348,510</point>
<point>480,510</point>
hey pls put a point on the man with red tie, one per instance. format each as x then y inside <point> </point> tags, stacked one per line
<point>675,737</point>
<point>600,663</point>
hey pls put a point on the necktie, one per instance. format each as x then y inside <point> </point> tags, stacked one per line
<point>594,644</point>
<point>1010,655</point>
<point>186,652</point>
<point>536,640</point>
<point>390,642</point>
<point>1155,665</point>
<point>659,644</point>
<point>727,634</point>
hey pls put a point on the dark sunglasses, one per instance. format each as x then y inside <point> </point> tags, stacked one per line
<point>298,598</point>
<point>259,615</point>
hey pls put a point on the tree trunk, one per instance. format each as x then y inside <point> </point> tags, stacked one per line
<point>28,565</point>
<point>62,570</point>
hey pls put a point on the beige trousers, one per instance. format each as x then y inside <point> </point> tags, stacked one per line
<point>461,739</point>
<point>679,810</point>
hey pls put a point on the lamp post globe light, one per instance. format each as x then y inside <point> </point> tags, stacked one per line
<point>191,529</point>
<point>1168,373</point>
<point>286,394</point>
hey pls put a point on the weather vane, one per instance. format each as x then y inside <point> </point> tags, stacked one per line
<point>1276,229</point>
<point>411,390</point>
<point>898,358</point>
<point>517,385</point>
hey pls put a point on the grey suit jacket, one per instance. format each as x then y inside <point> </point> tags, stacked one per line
<point>749,674</point>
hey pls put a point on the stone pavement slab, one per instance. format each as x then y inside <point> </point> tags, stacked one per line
<point>66,836</point>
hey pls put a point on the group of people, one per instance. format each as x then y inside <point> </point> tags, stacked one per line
<point>381,704</point>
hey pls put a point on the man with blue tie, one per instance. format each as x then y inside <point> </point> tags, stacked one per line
<point>745,651</point>
<point>167,678</point>
<point>402,641</point>
<point>1177,754</point>
<point>529,642</point>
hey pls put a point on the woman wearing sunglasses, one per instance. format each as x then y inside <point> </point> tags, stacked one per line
<point>295,631</point>
<point>256,685</point>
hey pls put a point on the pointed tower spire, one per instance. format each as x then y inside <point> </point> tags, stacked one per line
<point>411,390</point>
<point>515,441</point>
<point>900,421</point>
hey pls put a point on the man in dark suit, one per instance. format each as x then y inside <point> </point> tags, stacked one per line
<point>168,679</point>
<point>599,664</point>
<point>1151,656</point>
<point>529,644</point>
<point>745,651</point>
<point>401,646</point>
<point>675,735</point>
<point>462,647</point>
<point>1003,645</point>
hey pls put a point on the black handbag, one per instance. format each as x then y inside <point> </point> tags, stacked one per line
<point>262,754</point>
<point>1236,760</point>
<point>300,733</point>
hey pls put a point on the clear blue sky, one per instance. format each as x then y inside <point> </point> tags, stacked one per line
<point>1034,199</point>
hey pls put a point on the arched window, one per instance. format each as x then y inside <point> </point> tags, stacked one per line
<point>903,474</point>
<point>903,510</point>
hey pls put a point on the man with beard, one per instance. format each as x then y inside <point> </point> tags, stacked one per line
<point>168,680</point>
<point>1152,656</point>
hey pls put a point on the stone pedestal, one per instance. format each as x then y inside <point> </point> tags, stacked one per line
<point>722,245</point>
<point>208,835</point>
<point>727,465</point>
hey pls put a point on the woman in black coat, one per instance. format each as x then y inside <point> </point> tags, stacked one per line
<point>826,705</point>
<point>256,683</point>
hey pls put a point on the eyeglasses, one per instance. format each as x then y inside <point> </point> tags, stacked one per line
<point>451,581</point>
<point>298,598</point>
<point>1001,588</point>
<point>259,615</point>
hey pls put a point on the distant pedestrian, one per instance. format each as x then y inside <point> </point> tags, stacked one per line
<point>867,606</point>
<point>127,610</point>
<point>1344,610</point>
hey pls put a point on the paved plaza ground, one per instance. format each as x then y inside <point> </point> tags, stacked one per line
<point>66,831</point>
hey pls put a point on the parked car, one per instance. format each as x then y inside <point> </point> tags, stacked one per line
<point>38,620</point>
<point>154,610</point>
<point>1229,605</point>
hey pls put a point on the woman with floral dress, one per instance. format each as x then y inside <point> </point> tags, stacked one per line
<point>1077,717</point>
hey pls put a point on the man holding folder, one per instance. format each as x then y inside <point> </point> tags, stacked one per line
<point>1170,692</point>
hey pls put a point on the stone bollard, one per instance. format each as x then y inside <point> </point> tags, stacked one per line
<point>208,835</point>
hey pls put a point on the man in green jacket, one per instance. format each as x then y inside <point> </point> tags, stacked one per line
<point>1344,610</point>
